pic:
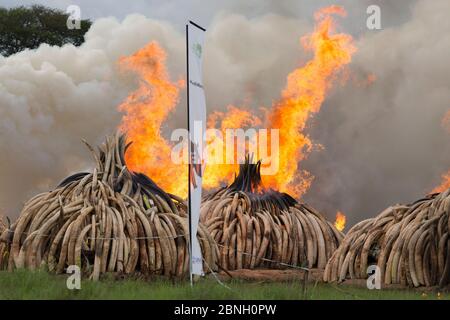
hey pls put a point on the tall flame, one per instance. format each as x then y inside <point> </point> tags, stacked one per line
<point>148,107</point>
<point>445,184</point>
<point>340,221</point>
<point>145,110</point>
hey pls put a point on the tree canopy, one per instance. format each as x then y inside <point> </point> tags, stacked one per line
<point>28,27</point>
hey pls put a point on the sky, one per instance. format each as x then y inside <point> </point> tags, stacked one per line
<point>382,144</point>
<point>179,11</point>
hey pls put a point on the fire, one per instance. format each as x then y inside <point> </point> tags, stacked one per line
<point>445,184</point>
<point>148,107</point>
<point>218,174</point>
<point>340,221</point>
<point>145,110</point>
<point>301,98</point>
<point>446,121</point>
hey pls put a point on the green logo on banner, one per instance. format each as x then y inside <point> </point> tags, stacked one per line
<point>197,48</point>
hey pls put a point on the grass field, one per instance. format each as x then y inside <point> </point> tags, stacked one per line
<point>40,285</point>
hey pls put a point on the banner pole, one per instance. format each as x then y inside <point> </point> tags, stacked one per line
<point>189,157</point>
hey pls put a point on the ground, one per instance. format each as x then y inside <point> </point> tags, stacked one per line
<point>41,285</point>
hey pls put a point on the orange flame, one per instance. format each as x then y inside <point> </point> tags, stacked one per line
<point>303,96</point>
<point>446,121</point>
<point>148,107</point>
<point>445,184</point>
<point>145,110</point>
<point>340,221</point>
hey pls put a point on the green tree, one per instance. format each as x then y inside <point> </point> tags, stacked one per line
<point>28,27</point>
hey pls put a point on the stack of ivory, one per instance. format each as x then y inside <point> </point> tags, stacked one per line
<point>110,220</point>
<point>254,227</point>
<point>409,243</point>
<point>2,225</point>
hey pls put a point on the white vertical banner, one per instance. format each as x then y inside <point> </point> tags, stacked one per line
<point>197,127</point>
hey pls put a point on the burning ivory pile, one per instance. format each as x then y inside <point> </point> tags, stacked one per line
<point>111,220</point>
<point>409,244</point>
<point>255,228</point>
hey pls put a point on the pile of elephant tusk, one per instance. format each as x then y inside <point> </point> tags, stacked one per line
<point>254,227</point>
<point>110,220</point>
<point>2,225</point>
<point>410,245</point>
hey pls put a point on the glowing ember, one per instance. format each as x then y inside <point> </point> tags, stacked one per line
<point>340,221</point>
<point>303,96</point>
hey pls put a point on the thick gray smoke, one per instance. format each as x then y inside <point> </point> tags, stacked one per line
<point>52,97</point>
<point>383,142</point>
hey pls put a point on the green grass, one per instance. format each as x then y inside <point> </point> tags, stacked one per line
<point>41,285</point>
